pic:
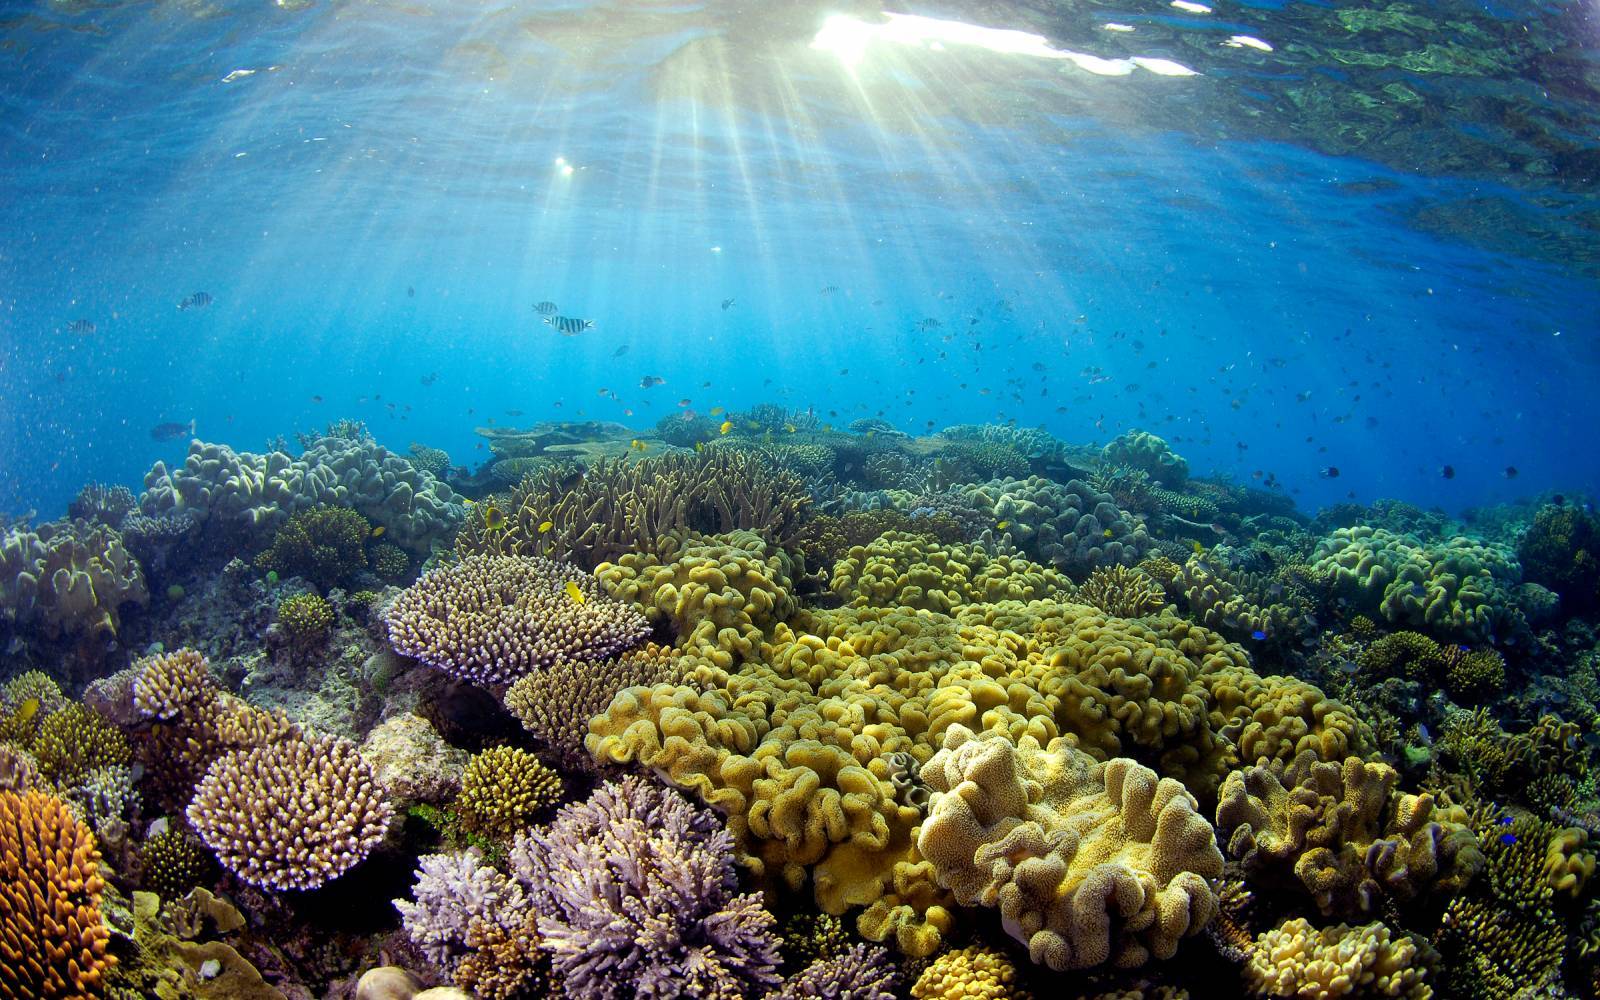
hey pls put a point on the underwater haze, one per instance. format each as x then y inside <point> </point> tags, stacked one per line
<point>782,500</point>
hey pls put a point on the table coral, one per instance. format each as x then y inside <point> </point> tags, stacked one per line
<point>914,571</point>
<point>721,593</point>
<point>1296,961</point>
<point>493,619</point>
<point>1341,832</point>
<point>1088,863</point>
<point>292,814</point>
<point>53,943</point>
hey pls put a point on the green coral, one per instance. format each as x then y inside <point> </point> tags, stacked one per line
<point>172,862</point>
<point>389,561</point>
<point>75,741</point>
<point>1561,550</point>
<point>503,791</point>
<point>306,617</point>
<point>326,545</point>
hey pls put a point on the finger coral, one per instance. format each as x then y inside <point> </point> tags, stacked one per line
<point>975,972</point>
<point>326,545</point>
<point>493,619</point>
<point>1296,960</point>
<point>290,815</point>
<point>52,939</point>
<point>1343,833</point>
<point>636,893</point>
<point>1088,863</point>
<point>1123,592</point>
<point>503,790</point>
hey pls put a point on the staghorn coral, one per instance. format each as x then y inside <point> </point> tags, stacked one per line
<point>636,894</point>
<point>503,790</point>
<point>976,972</point>
<point>1343,834</point>
<point>76,740</point>
<point>493,619</point>
<point>720,593</point>
<point>1072,527</point>
<point>555,704</point>
<point>1459,588</point>
<point>455,892</point>
<point>53,943</point>
<point>292,814</point>
<point>1088,863</point>
<point>1296,960</point>
<point>325,545</point>
<point>165,685</point>
<point>306,617</point>
<point>617,506</point>
<point>1149,454</point>
<point>859,972</point>
<point>68,578</point>
<point>504,963</point>
<point>913,571</point>
<point>1123,592</point>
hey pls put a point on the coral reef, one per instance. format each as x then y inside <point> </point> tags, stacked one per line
<point>326,545</point>
<point>1149,454</point>
<point>493,619</point>
<point>1298,960</point>
<point>1088,863</point>
<point>68,578</point>
<point>503,790</point>
<point>555,704</point>
<point>1561,550</point>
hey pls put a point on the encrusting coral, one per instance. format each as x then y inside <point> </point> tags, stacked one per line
<point>1088,863</point>
<point>53,942</point>
<point>1343,833</point>
<point>493,619</point>
<point>292,814</point>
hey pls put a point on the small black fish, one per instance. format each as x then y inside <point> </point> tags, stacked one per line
<point>1511,472</point>
<point>1331,472</point>
<point>1448,472</point>
<point>171,431</point>
<point>828,289</point>
<point>726,303</point>
<point>568,326</point>
<point>650,381</point>
<point>81,327</point>
<point>619,352</point>
<point>430,378</point>
<point>546,308</point>
<point>199,300</point>
<point>411,293</point>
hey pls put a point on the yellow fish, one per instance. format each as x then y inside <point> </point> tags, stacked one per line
<point>377,532</point>
<point>727,425</point>
<point>1199,549</point>
<point>699,446</point>
<point>827,428</point>
<point>1003,525</point>
<point>574,593</point>
<point>637,445</point>
<point>789,428</point>
<point>545,526</point>
<point>716,411</point>
<point>494,518</point>
<point>1110,533</point>
<point>26,711</point>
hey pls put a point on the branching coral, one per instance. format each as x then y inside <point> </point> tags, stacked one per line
<point>306,617</point>
<point>721,594</point>
<point>1088,863</point>
<point>556,704</point>
<point>1123,592</point>
<point>493,619</point>
<point>172,862</point>
<point>76,740</point>
<point>618,507</point>
<point>1561,549</point>
<point>1342,832</point>
<point>290,815</point>
<point>53,943</point>
<point>913,571</point>
<point>326,545</point>
<point>503,791</point>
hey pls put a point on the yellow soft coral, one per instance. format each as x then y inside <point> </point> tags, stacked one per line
<point>972,973</point>
<point>719,592</point>
<point>916,571</point>
<point>1297,960</point>
<point>1088,863</point>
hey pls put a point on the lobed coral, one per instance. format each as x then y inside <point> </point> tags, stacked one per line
<point>1342,833</point>
<point>1149,454</point>
<point>1072,527</point>
<point>494,619</point>
<point>68,578</point>
<point>721,594</point>
<point>293,814</point>
<point>53,942</point>
<point>913,571</point>
<point>1088,863</point>
<point>1296,960</point>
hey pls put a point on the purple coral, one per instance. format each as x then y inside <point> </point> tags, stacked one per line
<point>635,890</point>
<point>860,972</point>
<point>453,891</point>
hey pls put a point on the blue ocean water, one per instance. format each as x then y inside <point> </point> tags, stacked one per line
<point>1286,237</point>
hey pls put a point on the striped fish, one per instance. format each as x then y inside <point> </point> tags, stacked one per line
<point>81,327</point>
<point>568,326</point>
<point>199,300</point>
<point>546,308</point>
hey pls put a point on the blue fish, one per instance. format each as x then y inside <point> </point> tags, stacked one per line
<point>1508,839</point>
<point>1258,635</point>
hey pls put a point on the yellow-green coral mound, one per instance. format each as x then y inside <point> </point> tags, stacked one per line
<point>1296,960</point>
<point>503,791</point>
<point>972,973</point>
<point>1088,863</point>
<point>1344,833</point>
<point>720,592</point>
<point>915,571</point>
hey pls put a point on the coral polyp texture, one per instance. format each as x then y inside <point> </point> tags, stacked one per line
<point>68,578</point>
<point>1297,960</point>
<point>494,619</point>
<point>1088,863</point>
<point>503,790</point>
<point>1072,526</point>
<point>290,815</point>
<point>53,940</point>
<point>555,704</point>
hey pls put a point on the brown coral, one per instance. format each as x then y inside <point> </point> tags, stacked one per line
<point>503,790</point>
<point>168,683</point>
<point>1123,592</point>
<point>556,704</point>
<point>493,619</point>
<point>292,814</point>
<point>52,939</point>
